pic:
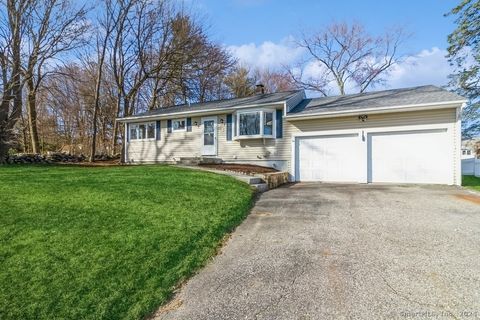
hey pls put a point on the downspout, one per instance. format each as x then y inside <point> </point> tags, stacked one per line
<point>458,144</point>
<point>125,139</point>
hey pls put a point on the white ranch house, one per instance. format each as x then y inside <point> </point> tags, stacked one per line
<point>409,135</point>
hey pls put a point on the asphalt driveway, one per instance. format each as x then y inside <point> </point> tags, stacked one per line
<point>321,251</point>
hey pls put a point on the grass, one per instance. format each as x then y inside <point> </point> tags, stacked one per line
<point>471,182</point>
<point>107,242</point>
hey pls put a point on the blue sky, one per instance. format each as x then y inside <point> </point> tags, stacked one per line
<point>259,32</point>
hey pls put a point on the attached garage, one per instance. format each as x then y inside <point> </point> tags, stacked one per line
<point>374,138</point>
<point>419,156</point>
<point>380,156</point>
<point>329,158</point>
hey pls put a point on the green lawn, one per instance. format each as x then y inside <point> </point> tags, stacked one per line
<point>471,182</point>
<point>107,242</point>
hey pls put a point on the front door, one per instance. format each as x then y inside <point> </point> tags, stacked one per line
<point>209,136</point>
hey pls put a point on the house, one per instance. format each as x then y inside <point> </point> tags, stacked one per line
<point>470,148</point>
<point>409,135</point>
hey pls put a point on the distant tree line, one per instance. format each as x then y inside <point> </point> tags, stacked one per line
<point>464,56</point>
<point>69,70</point>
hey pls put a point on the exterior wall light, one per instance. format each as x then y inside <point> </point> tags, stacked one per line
<point>363,117</point>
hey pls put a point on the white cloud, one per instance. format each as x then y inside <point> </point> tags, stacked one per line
<point>429,66</point>
<point>267,55</point>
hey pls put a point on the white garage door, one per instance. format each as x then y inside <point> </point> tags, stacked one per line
<point>410,157</point>
<point>329,158</point>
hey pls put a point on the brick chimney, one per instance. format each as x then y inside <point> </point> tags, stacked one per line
<point>260,89</point>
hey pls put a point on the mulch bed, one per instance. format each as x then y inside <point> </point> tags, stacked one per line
<point>242,168</point>
<point>97,163</point>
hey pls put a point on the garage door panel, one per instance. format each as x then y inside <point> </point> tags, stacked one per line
<point>329,158</point>
<point>422,156</point>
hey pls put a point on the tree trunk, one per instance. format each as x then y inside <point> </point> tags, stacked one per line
<point>153,101</point>
<point>115,124</point>
<point>126,106</point>
<point>94,134</point>
<point>3,151</point>
<point>32,115</point>
<point>4,132</point>
<point>98,82</point>
<point>9,119</point>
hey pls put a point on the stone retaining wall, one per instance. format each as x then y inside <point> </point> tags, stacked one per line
<point>275,179</point>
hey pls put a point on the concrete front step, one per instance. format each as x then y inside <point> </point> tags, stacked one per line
<point>189,161</point>
<point>210,160</point>
<point>261,187</point>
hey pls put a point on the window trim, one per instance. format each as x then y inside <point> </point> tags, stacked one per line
<point>179,130</point>
<point>236,125</point>
<point>137,125</point>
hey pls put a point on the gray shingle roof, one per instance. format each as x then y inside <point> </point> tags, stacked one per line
<point>267,98</point>
<point>378,99</point>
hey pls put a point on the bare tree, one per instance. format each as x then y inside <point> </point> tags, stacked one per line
<point>240,82</point>
<point>148,54</point>
<point>346,54</point>
<point>65,103</point>
<point>151,42</point>
<point>274,81</point>
<point>108,24</point>
<point>53,28</point>
<point>141,30</point>
<point>11,32</point>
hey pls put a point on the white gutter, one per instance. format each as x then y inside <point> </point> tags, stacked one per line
<point>411,107</point>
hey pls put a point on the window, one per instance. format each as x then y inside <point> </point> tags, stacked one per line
<point>254,124</point>
<point>142,131</point>
<point>268,123</point>
<point>133,131</point>
<point>249,124</point>
<point>151,130</point>
<point>179,125</point>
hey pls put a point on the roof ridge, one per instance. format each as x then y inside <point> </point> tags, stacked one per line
<point>380,91</point>
<point>258,99</point>
<point>228,99</point>
<point>425,94</point>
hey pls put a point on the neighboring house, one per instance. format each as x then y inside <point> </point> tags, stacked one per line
<point>470,148</point>
<point>409,135</point>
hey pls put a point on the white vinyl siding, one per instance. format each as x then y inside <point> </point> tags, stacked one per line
<point>170,147</point>
<point>189,144</point>
<point>440,119</point>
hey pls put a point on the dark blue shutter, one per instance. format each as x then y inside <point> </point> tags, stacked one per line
<point>189,124</point>
<point>169,125</point>
<point>128,131</point>
<point>279,121</point>
<point>158,130</point>
<point>229,127</point>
